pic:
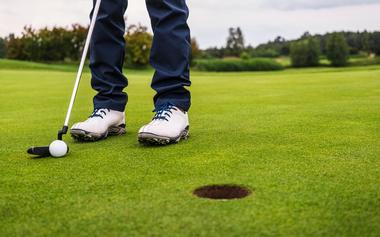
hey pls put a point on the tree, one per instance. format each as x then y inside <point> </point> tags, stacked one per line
<point>55,44</point>
<point>306,35</point>
<point>139,43</point>
<point>15,48</point>
<point>78,39</point>
<point>235,42</point>
<point>3,48</point>
<point>337,50</point>
<point>375,43</point>
<point>364,41</point>
<point>305,53</point>
<point>195,51</point>
<point>353,42</point>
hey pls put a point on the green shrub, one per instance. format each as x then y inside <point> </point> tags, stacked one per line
<point>365,61</point>
<point>138,45</point>
<point>47,44</point>
<point>237,65</point>
<point>266,53</point>
<point>245,56</point>
<point>305,53</point>
<point>337,50</point>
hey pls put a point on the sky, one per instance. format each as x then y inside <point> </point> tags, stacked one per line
<point>260,20</point>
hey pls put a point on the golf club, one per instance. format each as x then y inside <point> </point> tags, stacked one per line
<point>59,148</point>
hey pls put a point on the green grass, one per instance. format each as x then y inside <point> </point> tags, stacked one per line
<point>306,141</point>
<point>8,64</point>
<point>22,65</point>
<point>324,62</point>
<point>238,65</point>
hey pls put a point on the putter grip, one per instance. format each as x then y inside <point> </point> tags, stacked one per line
<point>42,151</point>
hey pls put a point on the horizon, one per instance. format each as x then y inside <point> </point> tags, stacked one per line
<point>261,21</point>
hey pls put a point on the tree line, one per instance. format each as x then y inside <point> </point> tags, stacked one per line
<point>56,44</point>
<point>304,51</point>
<point>358,42</point>
<point>65,44</point>
<point>59,44</point>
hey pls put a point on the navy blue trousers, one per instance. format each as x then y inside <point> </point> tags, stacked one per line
<point>169,55</point>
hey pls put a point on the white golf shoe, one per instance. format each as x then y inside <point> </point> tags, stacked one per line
<point>101,123</point>
<point>169,125</point>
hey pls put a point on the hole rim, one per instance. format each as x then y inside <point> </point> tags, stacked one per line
<point>244,189</point>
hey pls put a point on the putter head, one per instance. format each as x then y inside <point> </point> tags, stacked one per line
<point>40,151</point>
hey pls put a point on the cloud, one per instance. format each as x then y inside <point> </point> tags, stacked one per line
<point>311,4</point>
<point>261,20</point>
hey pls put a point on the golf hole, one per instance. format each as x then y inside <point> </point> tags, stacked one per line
<point>222,192</point>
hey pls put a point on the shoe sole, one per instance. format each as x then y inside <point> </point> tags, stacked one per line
<point>151,139</point>
<point>85,136</point>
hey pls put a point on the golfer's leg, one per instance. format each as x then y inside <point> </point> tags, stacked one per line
<point>170,52</point>
<point>107,56</point>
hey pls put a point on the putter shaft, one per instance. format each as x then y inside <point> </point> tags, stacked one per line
<point>80,70</point>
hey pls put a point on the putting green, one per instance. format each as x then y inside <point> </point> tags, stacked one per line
<point>307,142</point>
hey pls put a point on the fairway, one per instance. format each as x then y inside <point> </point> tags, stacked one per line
<point>306,142</point>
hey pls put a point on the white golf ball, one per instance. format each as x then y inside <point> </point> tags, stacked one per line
<point>58,149</point>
